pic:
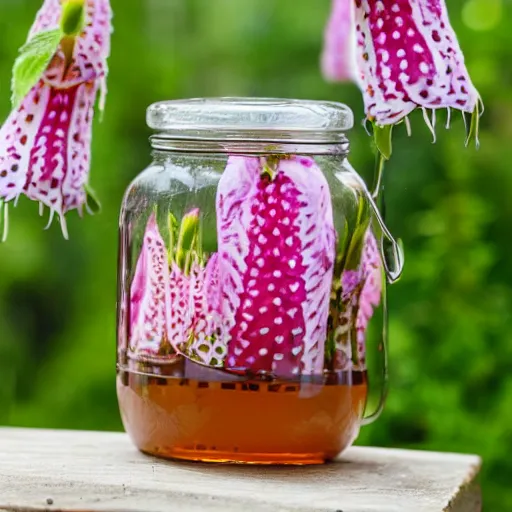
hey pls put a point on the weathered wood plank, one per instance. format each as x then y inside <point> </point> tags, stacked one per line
<point>98,471</point>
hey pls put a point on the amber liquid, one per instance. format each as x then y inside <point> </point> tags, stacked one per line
<point>249,421</point>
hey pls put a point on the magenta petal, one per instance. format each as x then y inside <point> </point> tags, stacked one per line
<point>149,300</point>
<point>79,148</point>
<point>370,297</point>
<point>350,280</point>
<point>45,147</point>
<point>213,288</point>
<point>179,286</point>
<point>18,137</point>
<point>318,237</point>
<point>361,294</point>
<point>409,57</point>
<point>59,156</point>
<point>338,56</point>
<point>276,244</point>
<point>194,314</point>
<point>209,344</point>
<point>47,18</point>
<point>92,47</point>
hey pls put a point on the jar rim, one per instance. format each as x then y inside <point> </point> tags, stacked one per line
<point>251,119</point>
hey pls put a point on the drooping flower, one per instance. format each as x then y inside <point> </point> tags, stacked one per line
<point>150,294</point>
<point>45,142</point>
<point>408,57</point>
<point>276,248</point>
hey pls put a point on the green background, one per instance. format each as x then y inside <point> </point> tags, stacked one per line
<point>451,352</point>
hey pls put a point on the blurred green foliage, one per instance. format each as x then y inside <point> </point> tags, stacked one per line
<point>451,355</point>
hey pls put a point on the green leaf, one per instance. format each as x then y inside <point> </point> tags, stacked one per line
<point>172,224</point>
<point>92,202</point>
<point>355,247</point>
<point>344,238</point>
<point>188,240</point>
<point>382,137</point>
<point>34,58</point>
<point>72,21</point>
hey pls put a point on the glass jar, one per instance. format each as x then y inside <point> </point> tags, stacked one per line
<point>251,283</point>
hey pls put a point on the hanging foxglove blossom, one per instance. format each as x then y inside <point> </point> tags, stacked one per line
<point>45,142</point>
<point>276,247</point>
<point>408,57</point>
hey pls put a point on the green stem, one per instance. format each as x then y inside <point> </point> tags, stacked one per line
<point>4,219</point>
<point>186,247</point>
<point>72,20</point>
<point>378,186</point>
<point>172,224</point>
<point>378,197</point>
<point>391,249</point>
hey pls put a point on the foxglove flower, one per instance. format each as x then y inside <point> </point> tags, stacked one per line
<point>361,294</point>
<point>276,248</point>
<point>371,291</point>
<point>45,142</point>
<point>407,57</point>
<point>203,322</point>
<point>174,305</point>
<point>195,326</point>
<point>150,294</point>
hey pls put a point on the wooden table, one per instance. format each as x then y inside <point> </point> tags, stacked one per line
<point>98,471</point>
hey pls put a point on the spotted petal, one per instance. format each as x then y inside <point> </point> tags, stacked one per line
<point>45,147</point>
<point>47,18</point>
<point>149,299</point>
<point>361,294</point>
<point>370,295</point>
<point>60,157</point>
<point>408,57</point>
<point>17,138</point>
<point>276,244</point>
<point>45,143</point>
<point>204,325</point>
<point>90,53</point>
<point>91,48</point>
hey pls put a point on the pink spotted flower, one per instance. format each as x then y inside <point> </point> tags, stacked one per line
<point>45,142</point>
<point>276,249</point>
<point>150,295</point>
<point>408,57</point>
<point>174,297</point>
<point>195,326</point>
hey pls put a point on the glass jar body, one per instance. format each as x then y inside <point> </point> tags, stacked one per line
<point>249,286</point>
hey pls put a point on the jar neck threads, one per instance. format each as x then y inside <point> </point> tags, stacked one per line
<point>282,145</point>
